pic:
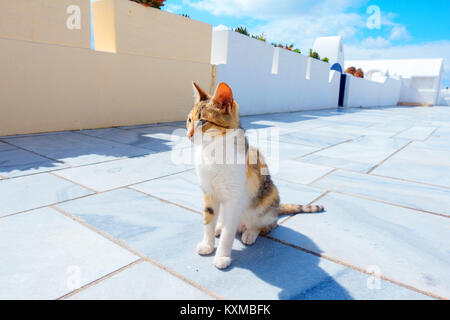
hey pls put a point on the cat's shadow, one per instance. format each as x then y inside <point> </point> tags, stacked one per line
<point>297,273</point>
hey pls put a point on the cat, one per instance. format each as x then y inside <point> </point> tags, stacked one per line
<point>238,196</point>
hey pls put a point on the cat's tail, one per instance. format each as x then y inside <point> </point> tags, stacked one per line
<point>296,208</point>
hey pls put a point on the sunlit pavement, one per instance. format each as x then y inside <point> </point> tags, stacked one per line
<point>116,213</point>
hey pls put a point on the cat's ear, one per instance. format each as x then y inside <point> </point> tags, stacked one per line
<point>223,98</point>
<point>199,94</point>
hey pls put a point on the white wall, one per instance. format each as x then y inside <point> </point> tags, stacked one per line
<point>266,79</point>
<point>444,97</point>
<point>421,78</point>
<point>331,48</point>
<point>380,91</point>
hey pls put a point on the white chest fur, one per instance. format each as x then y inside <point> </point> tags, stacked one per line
<point>220,165</point>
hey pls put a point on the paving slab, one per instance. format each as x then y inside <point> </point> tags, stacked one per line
<point>298,172</point>
<point>413,195</point>
<point>183,189</point>
<point>15,162</point>
<point>419,163</point>
<point>360,155</point>
<point>143,281</point>
<point>267,270</point>
<point>404,245</point>
<point>6,147</point>
<point>156,138</point>
<point>30,192</point>
<point>46,255</point>
<point>115,174</point>
<point>314,139</point>
<point>76,149</point>
<point>417,133</point>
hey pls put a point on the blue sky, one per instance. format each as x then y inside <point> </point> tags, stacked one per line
<point>409,29</point>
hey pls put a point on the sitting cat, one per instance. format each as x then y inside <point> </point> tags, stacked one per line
<point>238,195</point>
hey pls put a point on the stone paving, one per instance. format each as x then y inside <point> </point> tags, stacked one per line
<point>115,213</point>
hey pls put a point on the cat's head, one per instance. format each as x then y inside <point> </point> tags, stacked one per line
<point>215,113</point>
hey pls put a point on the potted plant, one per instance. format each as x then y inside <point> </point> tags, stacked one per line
<point>151,3</point>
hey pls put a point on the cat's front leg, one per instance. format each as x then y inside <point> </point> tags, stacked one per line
<point>231,212</point>
<point>210,215</point>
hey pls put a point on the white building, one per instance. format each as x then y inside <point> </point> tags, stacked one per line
<point>421,78</point>
<point>331,48</point>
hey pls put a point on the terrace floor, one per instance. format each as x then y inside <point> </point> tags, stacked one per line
<point>115,213</point>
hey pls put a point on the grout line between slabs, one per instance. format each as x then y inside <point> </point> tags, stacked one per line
<point>35,153</point>
<point>389,203</point>
<point>321,177</point>
<point>88,195</point>
<point>118,142</point>
<point>74,182</point>
<point>94,282</point>
<point>142,256</point>
<point>327,147</point>
<point>401,131</point>
<point>404,180</point>
<point>146,258</point>
<point>348,265</point>
<point>126,246</point>
<point>389,157</point>
<point>164,200</point>
<point>431,134</point>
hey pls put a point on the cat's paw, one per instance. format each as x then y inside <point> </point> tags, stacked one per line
<point>249,237</point>
<point>222,262</point>
<point>218,230</point>
<point>204,249</point>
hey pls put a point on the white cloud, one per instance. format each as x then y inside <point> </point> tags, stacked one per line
<point>301,22</point>
<point>268,9</point>
<point>399,33</point>
<point>291,21</point>
<point>378,42</point>
<point>221,27</point>
<point>173,8</point>
<point>303,30</point>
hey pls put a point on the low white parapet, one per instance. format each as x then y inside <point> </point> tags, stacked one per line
<point>266,79</point>
<point>379,92</point>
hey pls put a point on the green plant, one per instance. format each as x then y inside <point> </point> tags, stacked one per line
<point>260,37</point>
<point>151,3</point>
<point>326,60</point>
<point>242,30</point>
<point>314,54</point>
<point>289,47</point>
<point>297,50</point>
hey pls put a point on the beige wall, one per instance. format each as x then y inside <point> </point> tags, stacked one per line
<point>61,88</point>
<point>46,87</point>
<point>151,32</point>
<point>45,21</point>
